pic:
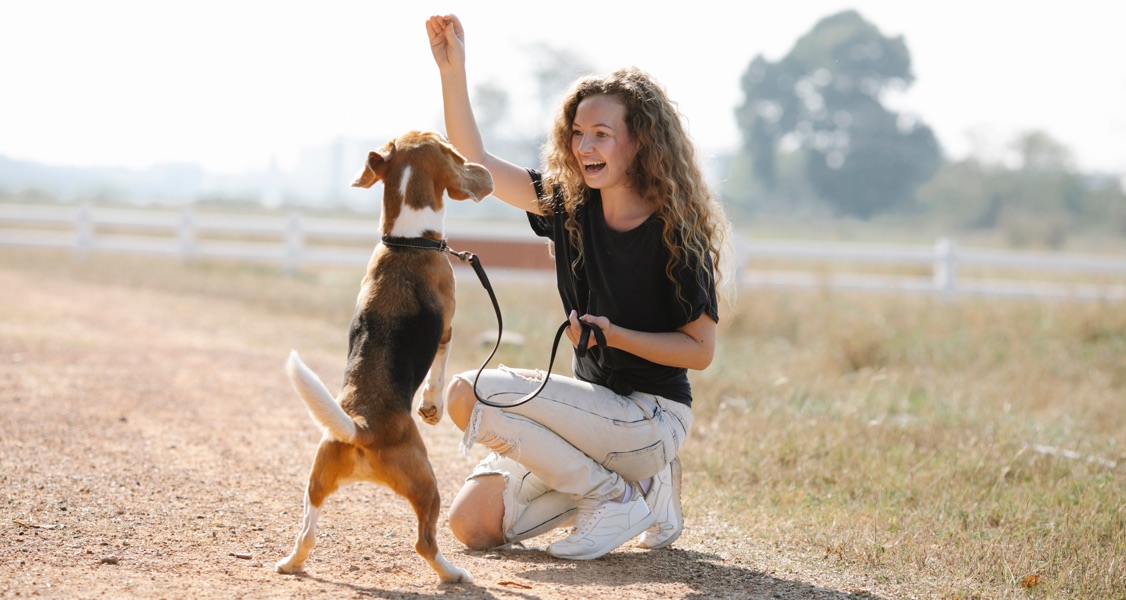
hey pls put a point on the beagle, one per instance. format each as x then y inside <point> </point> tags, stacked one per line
<point>398,342</point>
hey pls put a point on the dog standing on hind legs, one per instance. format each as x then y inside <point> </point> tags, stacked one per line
<point>398,342</point>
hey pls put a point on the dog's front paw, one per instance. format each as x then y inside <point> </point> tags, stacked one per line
<point>429,414</point>
<point>431,406</point>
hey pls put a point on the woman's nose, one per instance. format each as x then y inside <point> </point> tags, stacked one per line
<point>584,144</point>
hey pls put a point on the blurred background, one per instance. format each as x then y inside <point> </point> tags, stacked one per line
<point>1000,123</point>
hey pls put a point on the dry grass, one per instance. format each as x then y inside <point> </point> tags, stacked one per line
<point>908,438</point>
<point>906,435</point>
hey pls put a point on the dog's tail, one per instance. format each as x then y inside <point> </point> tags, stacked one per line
<point>322,406</point>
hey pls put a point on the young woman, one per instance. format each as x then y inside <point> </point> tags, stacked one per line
<point>637,238</point>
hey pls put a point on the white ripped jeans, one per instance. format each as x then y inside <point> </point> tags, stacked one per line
<point>575,438</point>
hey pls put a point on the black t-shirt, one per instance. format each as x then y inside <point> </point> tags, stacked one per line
<point>622,277</point>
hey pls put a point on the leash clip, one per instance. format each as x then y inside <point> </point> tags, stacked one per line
<point>464,256</point>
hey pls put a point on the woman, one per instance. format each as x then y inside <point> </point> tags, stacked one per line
<point>636,237</point>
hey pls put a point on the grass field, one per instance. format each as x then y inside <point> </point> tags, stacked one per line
<point>975,444</point>
<point>963,448</point>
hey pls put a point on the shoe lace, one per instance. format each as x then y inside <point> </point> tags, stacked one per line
<point>589,513</point>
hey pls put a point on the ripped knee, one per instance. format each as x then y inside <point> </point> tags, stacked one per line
<point>531,375</point>
<point>496,443</point>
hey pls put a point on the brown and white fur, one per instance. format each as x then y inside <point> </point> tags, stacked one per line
<point>400,332</point>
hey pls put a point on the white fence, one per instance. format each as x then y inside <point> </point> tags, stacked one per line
<point>293,240</point>
<point>296,240</point>
<point>950,269</point>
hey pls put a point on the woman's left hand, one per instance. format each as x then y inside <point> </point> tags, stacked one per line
<point>576,330</point>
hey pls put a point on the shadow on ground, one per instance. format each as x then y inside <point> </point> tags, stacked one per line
<point>534,574</point>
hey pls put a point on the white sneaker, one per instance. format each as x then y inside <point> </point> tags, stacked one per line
<point>603,526</point>
<point>664,502</point>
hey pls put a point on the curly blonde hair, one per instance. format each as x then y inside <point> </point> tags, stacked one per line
<point>665,170</point>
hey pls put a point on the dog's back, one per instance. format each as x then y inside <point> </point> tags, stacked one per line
<point>392,342</point>
<point>395,332</point>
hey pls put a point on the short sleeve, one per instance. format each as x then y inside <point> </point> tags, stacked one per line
<point>698,288</point>
<point>542,225</point>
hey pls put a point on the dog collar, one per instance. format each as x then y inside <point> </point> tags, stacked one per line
<point>414,242</point>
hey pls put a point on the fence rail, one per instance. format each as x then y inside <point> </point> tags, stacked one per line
<point>296,240</point>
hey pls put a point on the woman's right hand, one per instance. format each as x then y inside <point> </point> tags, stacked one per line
<point>447,40</point>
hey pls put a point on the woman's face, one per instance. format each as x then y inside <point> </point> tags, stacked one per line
<point>602,143</point>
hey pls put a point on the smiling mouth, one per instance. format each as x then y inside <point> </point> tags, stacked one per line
<point>594,167</point>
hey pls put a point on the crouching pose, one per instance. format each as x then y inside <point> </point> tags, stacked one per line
<point>637,238</point>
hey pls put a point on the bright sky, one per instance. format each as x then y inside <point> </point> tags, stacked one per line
<point>231,84</point>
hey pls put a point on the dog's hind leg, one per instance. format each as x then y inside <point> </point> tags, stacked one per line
<point>427,548</point>
<point>410,475</point>
<point>323,481</point>
<point>306,539</point>
<point>426,507</point>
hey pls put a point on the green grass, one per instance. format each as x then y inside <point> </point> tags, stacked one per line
<point>895,436</point>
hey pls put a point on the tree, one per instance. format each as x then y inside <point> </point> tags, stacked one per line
<point>1035,196</point>
<point>1039,152</point>
<point>825,98</point>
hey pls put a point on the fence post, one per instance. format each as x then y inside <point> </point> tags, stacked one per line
<point>740,259</point>
<point>84,231</point>
<point>946,265</point>
<point>187,235</point>
<point>294,243</point>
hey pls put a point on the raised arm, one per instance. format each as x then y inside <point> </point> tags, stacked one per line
<point>512,184</point>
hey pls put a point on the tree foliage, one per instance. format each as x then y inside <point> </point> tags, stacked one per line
<point>1034,197</point>
<point>825,99</point>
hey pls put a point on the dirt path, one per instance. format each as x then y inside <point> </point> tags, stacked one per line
<point>151,447</point>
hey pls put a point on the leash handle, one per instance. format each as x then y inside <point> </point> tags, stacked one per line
<point>546,376</point>
<point>584,337</point>
<point>584,340</point>
<point>471,259</point>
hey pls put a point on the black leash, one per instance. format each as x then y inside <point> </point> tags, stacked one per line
<point>472,260</point>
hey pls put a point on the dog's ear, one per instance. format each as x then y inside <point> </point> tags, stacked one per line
<point>374,168</point>
<point>472,181</point>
